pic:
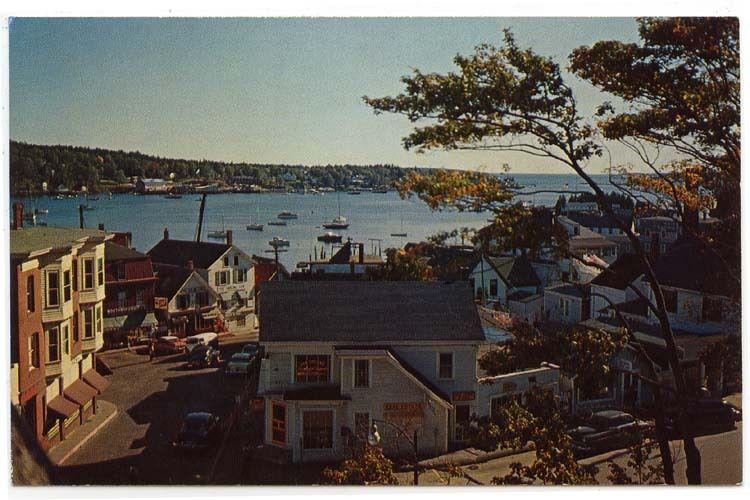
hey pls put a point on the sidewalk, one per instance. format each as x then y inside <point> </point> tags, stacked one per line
<point>105,412</point>
<point>469,456</point>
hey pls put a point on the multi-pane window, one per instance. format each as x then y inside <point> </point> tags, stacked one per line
<point>139,297</point>
<point>311,368</point>
<point>221,277</point>
<point>361,425</point>
<point>75,327</point>
<point>53,288</point>
<point>493,288</point>
<point>120,271</point>
<point>317,429</point>
<point>34,350</point>
<point>99,319</point>
<point>278,423</point>
<point>66,286</point>
<point>236,260</point>
<point>240,275</point>
<point>88,274</point>
<point>201,299</point>
<point>30,294</point>
<point>100,271</point>
<point>445,365</point>
<point>183,301</point>
<point>88,323</point>
<point>66,339</point>
<point>226,261</point>
<point>121,298</point>
<point>361,373</point>
<point>53,345</point>
<point>75,275</point>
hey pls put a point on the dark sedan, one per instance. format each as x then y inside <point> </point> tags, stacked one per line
<point>199,431</point>
<point>202,357</point>
<point>705,416</point>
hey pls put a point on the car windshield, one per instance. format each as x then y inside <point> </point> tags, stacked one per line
<point>240,356</point>
<point>250,348</point>
<point>195,423</point>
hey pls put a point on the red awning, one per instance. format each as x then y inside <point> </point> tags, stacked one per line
<point>95,380</point>
<point>80,392</point>
<point>62,406</point>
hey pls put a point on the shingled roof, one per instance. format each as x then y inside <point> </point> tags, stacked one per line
<point>114,252</point>
<point>356,311</point>
<point>691,266</point>
<point>515,271</point>
<point>170,279</point>
<point>621,272</point>
<point>179,252</point>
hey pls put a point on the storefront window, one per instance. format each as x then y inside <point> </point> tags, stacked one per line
<point>311,368</point>
<point>317,430</point>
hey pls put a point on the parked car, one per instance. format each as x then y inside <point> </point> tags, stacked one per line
<point>705,415</point>
<point>239,364</point>
<point>203,356</point>
<point>251,348</point>
<point>205,339</point>
<point>607,430</point>
<point>168,344</point>
<point>199,430</point>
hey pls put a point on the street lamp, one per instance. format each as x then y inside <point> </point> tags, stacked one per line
<point>373,439</point>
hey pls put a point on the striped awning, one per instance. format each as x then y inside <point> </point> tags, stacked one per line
<point>80,392</point>
<point>62,406</point>
<point>95,380</point>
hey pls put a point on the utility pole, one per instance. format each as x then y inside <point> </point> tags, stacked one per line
<point>200,218</point>
<point>80,215</point>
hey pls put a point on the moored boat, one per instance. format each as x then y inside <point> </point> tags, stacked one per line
<point>276,223</point>
<point>287,215</point>
<point>338,222</point>
<point>255,227</point>
<point>278,242</point>
<point>330,237</point>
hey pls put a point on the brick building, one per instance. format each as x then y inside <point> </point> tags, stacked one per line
<point>57,295</point>
<point>129,284</point>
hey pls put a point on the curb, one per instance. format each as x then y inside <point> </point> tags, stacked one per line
<point>87,437</point>
<point>606,458</point>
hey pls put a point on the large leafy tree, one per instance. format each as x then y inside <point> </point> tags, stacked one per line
<point>678,89</point>
<point>512,99</point>
<point>582,352</point>
<point>369,466</point>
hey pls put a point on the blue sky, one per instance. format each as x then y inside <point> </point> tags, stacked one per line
<point>260,90</point>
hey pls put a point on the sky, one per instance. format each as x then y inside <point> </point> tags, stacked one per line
<point>263,90</point>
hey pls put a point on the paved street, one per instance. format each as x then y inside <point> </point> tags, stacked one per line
<point>721,456</point>
<point>152,398</point>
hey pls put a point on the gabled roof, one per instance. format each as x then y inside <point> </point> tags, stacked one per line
<point>691,266</point>
<point>621,272</point>
<point>114,252</point>
<point>179,252</point>
<point>32,239</point>
<point>590,220</point>
<point>170,279</point>
<point>362,311</point>
<point>569,290</point>
<point>515,271</point>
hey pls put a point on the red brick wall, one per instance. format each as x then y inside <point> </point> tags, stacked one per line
<point>24,323</point>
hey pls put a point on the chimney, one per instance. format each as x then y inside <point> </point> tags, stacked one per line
<point>361,253</point>
<point>166,233</point>
<point>18,215</point>
<point>190,265</point>
<point>229,236</point>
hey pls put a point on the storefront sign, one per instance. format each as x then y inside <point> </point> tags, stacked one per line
<point>402,411</point>
<point>160,302</point>
<point>464,396</point>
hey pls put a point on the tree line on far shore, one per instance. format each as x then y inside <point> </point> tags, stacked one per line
<point>97,169</point>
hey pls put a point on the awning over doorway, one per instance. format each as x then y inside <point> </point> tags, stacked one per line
<point>62,406</point>
<point>130,321</point>
<point>95,380</point>
<point>80,392</point>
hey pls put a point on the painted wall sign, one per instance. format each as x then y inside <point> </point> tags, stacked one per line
<point>464,396</point>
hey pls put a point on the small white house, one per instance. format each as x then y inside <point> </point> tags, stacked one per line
<point>499,277</point>
<point>566,303</point>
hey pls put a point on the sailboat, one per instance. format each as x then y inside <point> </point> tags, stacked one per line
<point>256,227</point>
<point>402,234</point>
<point>339,222</point>
<point>219,234</point>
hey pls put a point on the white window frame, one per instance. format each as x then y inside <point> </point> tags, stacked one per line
<point>89,311</point>
<point>354,373</point>
<point>49,288</point>
<point>92,274</point>
<point>47,344</point>
<point>453,365</point>
<point>333,428</point>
